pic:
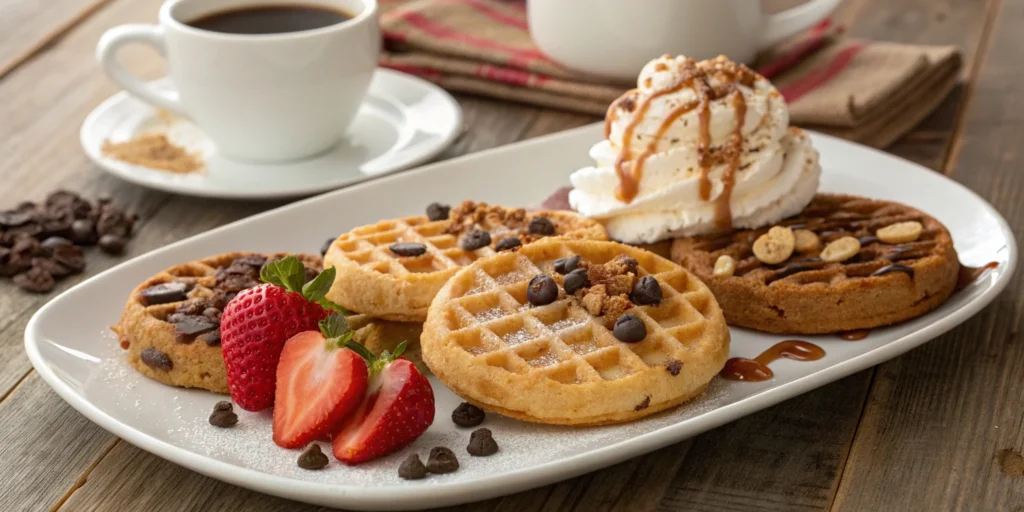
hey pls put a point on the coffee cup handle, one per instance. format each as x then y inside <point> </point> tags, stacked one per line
<point>783,25</point>
<point>151,35</point>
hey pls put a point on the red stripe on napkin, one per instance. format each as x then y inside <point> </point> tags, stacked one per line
<point>818,77</point>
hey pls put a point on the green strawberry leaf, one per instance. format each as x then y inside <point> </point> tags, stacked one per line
<point>389,356</point>
<point>317,289</point>
<point>331,306</point>
<point>287,273</point>
<point>371,360</point>
<point>334,326</point>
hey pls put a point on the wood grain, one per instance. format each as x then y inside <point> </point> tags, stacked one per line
<point>30,26</point>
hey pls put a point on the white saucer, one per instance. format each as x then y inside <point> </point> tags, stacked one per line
<point>404,121</point>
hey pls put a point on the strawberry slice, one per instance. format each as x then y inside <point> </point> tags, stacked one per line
<point>319,382</point>
<point>398,408</point>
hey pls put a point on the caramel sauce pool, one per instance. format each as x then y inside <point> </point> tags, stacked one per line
<point>756,369</point>
<point>855,335</point>
<point>969,275</point>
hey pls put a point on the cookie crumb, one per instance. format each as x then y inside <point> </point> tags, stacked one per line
<point>674,366</point>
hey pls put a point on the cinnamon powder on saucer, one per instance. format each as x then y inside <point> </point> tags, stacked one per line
<point>155,151</point>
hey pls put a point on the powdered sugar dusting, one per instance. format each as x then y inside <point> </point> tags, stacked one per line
<point>490,314</point>
<point>517,337</point>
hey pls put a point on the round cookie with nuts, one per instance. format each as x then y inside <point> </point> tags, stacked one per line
<point>575,332</point>
<point>844,263</point>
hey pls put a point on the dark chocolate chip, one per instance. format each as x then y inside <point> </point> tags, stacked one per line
<point>212,313</point>
<point>482,443</point>
<point>223,415</point>
<point>565,265</point>
<point>412,468</point>
<point>13,218</point>
<point>408,248</point>
<point>507,244</point>
<point>629,329</point>
<point>442,460</point>
<point>83,232</point>
<point>645,403</point>
<point>475,239</point>
<point>187,327</point>
<point>223,405</point>
<point>175,291</point>
<point>35,280</point>
<point>575,280</point>
<point>646,291</point>
<point>52,243</point>
<point>253,261</point>
<point>674,366</point>
<point>468,415</point>
<point>211,338</point>
<point>156,359</point>
<point>542,290</point>
<point>327,245</point>
<point>894,268</point>
<point>313,458</point>
<point>438,211</point>
<point>541,226</point>
<point>112,244</point>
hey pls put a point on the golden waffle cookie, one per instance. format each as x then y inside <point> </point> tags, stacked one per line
<point>374,280</point>
<point>196,360</point>
<point>559,364</point>
<point>882,284</point>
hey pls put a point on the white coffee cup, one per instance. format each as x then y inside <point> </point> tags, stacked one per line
<point>260,98</point>
<point>615,38</point>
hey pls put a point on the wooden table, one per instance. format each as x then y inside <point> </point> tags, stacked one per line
<point>936,429</point>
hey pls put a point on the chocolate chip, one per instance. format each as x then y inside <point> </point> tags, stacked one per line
<point>408,248</point>
<point>212,313</point>
<point>575,280</point>
<point>645,403</point>
<point>187,327</point>
<point>674,366</point>
<point>70,256</point>
<point>438,211</point>
<point>223,415</point>
<point>481,443</point>
<point>412,468</point>
<point>83,232</point>
<point>327,245</point>
<point>442,460</point>
<point>13,218</point>
<point>542,290</point>
<point>211,338</point>
<point>35,280</point>
<point>112,244</point>
<point>507,244</point>
<point>646,291</point>
<point>156,359</point>
<point>175,291</point>
<point>629,329</point>
<point>51,266</point>
<point>313,458</point>
<point>475,239</point>
<point>565,265</point>
<point>541,226</point>
<point>52,243</point>
<point>468,415</point>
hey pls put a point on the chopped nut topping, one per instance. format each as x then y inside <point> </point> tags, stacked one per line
<point>499,221</point>
<point>610,286</point>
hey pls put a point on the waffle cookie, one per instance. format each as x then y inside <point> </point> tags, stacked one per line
<point>560,363</point>
<point>881,283</point>
<point>372,278</point>
<point>171,322</point>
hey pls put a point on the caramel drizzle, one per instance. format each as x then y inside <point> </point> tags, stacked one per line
<point>756,369</point>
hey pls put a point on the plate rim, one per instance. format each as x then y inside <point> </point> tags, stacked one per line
<point>449,493</point>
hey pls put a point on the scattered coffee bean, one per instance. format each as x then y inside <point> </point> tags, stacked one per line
<point>565,265</point>
<point>313,458</point>
<point>12,263</point>
<point>326,246</point>
<point>52,243</point>
<point>13,218</point>
<point>475,239</point>
<point>438,211</point>
<point>408,248</point>
<point>112,244</point>
<point>83,232</point>
<point>156,359</point>
<point>646,291</point>
<point>223,415</point>
<point>71,257</point>
<point>52,267</point>
<point>481,443</point>
<point>114,222</point>
<point>468,415</point>
<point>35,280</point>
<point>542,290</point>
<point>58,222</point>
<point>629,329</point>
<point>442,460</point>
<point>575,281</point>
<point>26,247</point>
<point>541,226</point>
<point>412,468</point>
<point>507,244</point>
<point>175,291</point>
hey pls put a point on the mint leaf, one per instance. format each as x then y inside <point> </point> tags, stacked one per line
<point>316,289</point>
<point>287,273</point>
<point>334,326</point>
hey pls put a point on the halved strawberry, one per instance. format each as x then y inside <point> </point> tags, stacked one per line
<point>398,408</point>
<point>319,382</point>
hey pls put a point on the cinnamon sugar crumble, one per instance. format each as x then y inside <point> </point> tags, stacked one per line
<point>509,222</point>
<point>610,286</point>
<point>156,151</point>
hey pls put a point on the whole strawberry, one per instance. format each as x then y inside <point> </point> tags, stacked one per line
<point>258,321</point>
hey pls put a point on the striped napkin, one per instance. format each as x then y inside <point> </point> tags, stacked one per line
<point>868,91</point>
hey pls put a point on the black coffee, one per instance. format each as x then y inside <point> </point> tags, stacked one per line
<point>270,19</point>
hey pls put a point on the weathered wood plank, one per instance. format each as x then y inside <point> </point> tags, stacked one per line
<point>31,26</point>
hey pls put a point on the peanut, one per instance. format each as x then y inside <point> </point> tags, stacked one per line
<point>900,233</point>
<point>725,266</point>
<point>775,246</point>
<point>806,241</point>
<point>841,249</point>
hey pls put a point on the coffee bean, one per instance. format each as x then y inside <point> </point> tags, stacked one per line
<point>113,222</point>
<point>58,222</point>
<point>542,290</point>
<point>175,291</point>
<point>156,359</point>
<point>468,415</point>
<point>629,329</point>
<point>412,468</point>
<point>576,280</point>
<point>54,242</point>
<point>35,280</point>
<point>481,443</point>
<point>326,246</point>
<point>13,218</point>
<point>408,248</point>
<point>646,291</point>
<point>541,226</point>
<point>12,263</point>
<point>223,415</point>
<point>112,244</point>
<point>507,244</point>
<point>51,267</point>
<point>475,239</point>
<point>565,265</point>
<point>438,211</point>
<point>26,247</point>
<point>71,257</point>
<point>313,458</point>
<point>442,460</point>
<point>83,232</point>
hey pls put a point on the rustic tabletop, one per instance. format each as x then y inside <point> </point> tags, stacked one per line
<point>940,428</point>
